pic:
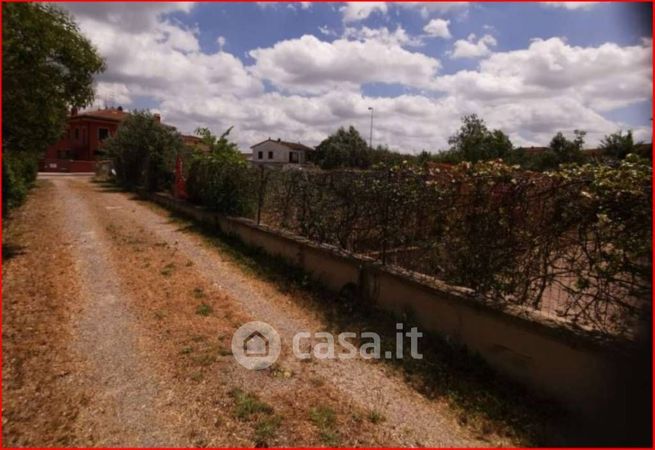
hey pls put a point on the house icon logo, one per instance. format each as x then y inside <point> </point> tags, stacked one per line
<point>256,345</point>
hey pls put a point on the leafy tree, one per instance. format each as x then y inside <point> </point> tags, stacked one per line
<point>47,68</point>
<point>143,151</point>
<point>222,179</point>
<point>568,151</point>
<point>345,148</point>
<point>618,145</point>
<point>475,142</point>
<point>217,144</point>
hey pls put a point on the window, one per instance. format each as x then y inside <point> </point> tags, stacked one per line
<point>260,155</point>
<point>293,157</point>
<point>77,134</point>
<point>103,133</point>
<point>270,155</point>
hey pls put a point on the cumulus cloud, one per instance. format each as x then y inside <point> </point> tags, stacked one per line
<point>313,87</point>
<point>398,37</point>
<point>570,5</point>
<point>438,28</point>
<point>356,11</point>
<point>469,48</point>
<point>310,65</point>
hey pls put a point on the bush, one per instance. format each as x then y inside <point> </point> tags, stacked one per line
<point>575,241</point>
<point>221,179</point>
<point>143,152</point>
<point>19,170</point>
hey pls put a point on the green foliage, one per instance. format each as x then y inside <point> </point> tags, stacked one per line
<point>508,234</point>
<point>18,175</point>
<point>618,145</point>
<point>143,151</point>
<point>47,68</point>
<point>345,148</point>
<point>568,151</point>
<point>475,142</point>
<point>221,179</point>
<point>248,405</point>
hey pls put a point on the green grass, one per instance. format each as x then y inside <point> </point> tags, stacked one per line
<point>246,405</point>
<point>204,309</point>
<point>265,430</point>
<point>375,417</point>
<point>325,420</point>
<point>168,270</point>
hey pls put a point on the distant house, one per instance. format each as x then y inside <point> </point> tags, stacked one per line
<point>81,144</point>
<point>78,148</point>
<point>280,153</point>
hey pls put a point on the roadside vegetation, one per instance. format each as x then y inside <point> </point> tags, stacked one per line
<point>47,68</point>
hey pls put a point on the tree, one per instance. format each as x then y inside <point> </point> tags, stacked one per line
<point>343,149</point>
<point>475,142</point>
<point>222,179</point>
<point>47,68</point>
<point>567,151</point>
<point>618,145</point>
<point>144,151</point>
<point>217,144</point>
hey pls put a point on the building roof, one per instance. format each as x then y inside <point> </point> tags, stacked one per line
<point>290,145</point>
<point>113,114</point>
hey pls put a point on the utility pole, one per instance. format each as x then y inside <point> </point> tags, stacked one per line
<point>370,139</point>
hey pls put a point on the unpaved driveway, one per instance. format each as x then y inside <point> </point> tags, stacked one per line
<point>149,338</point>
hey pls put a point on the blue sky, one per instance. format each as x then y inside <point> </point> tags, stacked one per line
<point>299,71</point>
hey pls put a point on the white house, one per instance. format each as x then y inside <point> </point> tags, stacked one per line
<point>280,153</point>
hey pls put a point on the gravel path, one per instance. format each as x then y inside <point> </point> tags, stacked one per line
<point>128,395</point>
<point>411,419</point>
<point>152,372</point>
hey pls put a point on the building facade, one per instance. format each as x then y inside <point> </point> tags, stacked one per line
<point>280,153</point>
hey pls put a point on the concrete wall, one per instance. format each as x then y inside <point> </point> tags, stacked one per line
<point>599,382</point>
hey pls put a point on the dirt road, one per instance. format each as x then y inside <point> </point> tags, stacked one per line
<point>117,325</point>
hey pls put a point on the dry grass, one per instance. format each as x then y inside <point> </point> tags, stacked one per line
<point>40,299</point>
<point>188,324</point>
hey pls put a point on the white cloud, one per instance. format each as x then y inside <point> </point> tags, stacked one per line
<point>570,5</point>
<point>310,65</point>
<point>356,11</point>
<point>469,48</point>
<point>399,37</point>
<point>221,42</point>
<point>427,9</point>
<point>529,93</point>
<point>438,28</point>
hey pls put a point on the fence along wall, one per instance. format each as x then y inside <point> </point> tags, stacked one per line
<point>605,385</point>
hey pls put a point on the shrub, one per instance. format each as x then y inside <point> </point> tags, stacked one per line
<point>19,170</point>
<point>143,152</point>
<point>221,179</point>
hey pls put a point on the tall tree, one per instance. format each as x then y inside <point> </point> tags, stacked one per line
<point>143,151</point>
<point>475,142</point>
<point>618,145</point>
<point>566,150</point>
<point>345,148</point>
<point>47,68</point>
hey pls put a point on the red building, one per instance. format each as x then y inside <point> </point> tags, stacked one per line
<point>77,150</point>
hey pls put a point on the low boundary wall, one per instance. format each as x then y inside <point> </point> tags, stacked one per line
<point>607,385</point>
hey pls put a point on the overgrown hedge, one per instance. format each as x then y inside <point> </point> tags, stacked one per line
<point>19,170</point>
<point>575,242</point>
